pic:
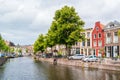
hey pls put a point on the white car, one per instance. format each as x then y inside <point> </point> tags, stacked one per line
<point>76,56</point>
<point>90,58</point>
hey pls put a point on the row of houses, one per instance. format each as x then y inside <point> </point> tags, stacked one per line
<point>100,40</point>
<point>25,49</point>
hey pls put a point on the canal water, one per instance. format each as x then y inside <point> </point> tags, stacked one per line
<point>24,68</point>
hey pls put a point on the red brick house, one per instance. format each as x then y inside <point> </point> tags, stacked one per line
<point>112,39</point>
<point>98,39</point>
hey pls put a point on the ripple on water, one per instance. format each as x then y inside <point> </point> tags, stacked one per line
<point>24,68</point>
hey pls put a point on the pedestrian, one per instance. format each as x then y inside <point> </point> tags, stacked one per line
<point>54,61</point>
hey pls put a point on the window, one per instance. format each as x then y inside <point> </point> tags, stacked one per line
<point>99,35</point>
<point>88,42</point>
<point>83,43</point>
<point>108,38</point>
<point>109,49</point>
<point>94,36</point>
<point>115,33</point>
<point>88,34</point>
<point>95,43</point>
<point>77,43</point>
<point>97,28</point>
<point>115,48</point>
<point>115,39</point>
<point>112,25</point>
<point>100,43</point>
<point>108,34</point>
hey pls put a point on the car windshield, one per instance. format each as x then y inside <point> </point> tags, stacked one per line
<point>92,56</point>
<point>78,55</point>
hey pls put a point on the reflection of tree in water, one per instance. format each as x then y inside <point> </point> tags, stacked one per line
<point>1,72</point>
<point>57,72</point>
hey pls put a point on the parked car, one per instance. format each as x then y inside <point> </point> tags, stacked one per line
<point>9,55</point>
<point>49,55</point>
<point>76,56</point>
<point>2,55</point>
<point>90,58</point>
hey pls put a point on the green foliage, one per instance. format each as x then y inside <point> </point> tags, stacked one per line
<point>39,44</point>
<point>118,32</point>
<point>67,26</point>
<point>12,50</point>
<point>49,40</point>
<point>3,46</point>
<point>20,50</point>
<point>26,50</point>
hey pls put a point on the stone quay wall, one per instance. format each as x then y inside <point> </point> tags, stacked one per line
<point>98,65</point>
<point>2,60</point>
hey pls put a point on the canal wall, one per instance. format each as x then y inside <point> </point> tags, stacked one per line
<point>107,65</point>
<point>2,60</point>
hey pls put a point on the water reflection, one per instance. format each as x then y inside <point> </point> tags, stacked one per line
<point>26,69</point>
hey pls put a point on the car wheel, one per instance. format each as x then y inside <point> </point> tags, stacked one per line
<point>96,60</point>
<point>86,61</point>
<point>70,58</point>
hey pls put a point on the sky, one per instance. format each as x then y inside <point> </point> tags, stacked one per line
<point>21,21</point>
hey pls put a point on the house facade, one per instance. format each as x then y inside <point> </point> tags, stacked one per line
<point>75,48</point>
<point>112,40</point>
<point>101,40</point>
<point>86,46</point>
<point>98,39</point>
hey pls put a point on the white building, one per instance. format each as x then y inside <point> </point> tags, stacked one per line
<point>84,47</point>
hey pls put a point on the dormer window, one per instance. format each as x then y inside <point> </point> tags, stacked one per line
<point>112,25</point>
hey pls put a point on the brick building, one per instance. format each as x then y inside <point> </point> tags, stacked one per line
<point>98,39</point>
<point>112,40</point>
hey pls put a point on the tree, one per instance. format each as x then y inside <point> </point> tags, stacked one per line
<point>3,46</point>
<point>39,44</point>
<point>50,40</point>
<point>118,33</point>
<point>67,27</point>
<point>12,50</point>
<point>26,50</point>
<point>20,50</point>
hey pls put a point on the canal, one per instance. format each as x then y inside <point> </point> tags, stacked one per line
<point>24,68</point>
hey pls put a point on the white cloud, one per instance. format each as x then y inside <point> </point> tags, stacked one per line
<point>25,19</point>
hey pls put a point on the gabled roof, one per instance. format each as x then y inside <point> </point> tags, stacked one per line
<point>112,24</point>
<point>99,24</point>
<point>102,26</point>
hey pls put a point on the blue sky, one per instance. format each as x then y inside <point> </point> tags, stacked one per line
<point>21,21</point>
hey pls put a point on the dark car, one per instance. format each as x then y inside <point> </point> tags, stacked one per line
<point>2,55</point>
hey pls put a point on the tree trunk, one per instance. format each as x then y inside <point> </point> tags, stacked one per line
<point>67,50</point>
